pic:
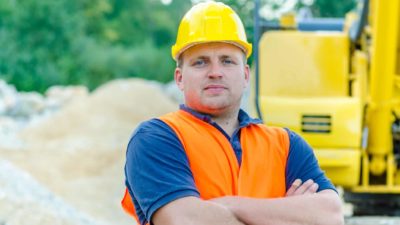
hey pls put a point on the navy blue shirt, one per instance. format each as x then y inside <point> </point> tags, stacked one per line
<point>157,169</point>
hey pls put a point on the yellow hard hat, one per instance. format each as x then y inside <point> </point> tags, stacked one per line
<point>210,22</point>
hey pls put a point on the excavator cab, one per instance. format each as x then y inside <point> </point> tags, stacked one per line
<point>328,81</point>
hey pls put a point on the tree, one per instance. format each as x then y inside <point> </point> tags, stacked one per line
<point>327,8</point>
<point>85,41</point>
<point>34,47</point>
<point>89,42</point>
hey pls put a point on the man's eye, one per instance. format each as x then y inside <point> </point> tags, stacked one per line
<point>199,62</point>
<point>228,61</point>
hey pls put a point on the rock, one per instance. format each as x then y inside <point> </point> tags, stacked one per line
<point>8,130</point>
<point>57,96</point>
<point>23,201</point>
<point>18,110</point>
<point>113,108</point>
<point>8,97</point>
<point>8,125</point>
<point>173,92</point>
<point>84,144</point>
<point>372,220</point>
<point>27,105</point>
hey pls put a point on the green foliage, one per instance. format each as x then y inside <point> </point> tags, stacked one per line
<point>88,42</point>
<point>319,8</point>
<point>49,42</point>
<point>33,46</point>
<point>329,8</point>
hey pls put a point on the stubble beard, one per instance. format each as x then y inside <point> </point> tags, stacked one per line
<point>216,107</point>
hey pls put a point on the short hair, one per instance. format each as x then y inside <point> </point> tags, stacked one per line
<point>179,61</point>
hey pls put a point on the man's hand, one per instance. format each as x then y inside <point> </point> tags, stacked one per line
<point>299,188</point>
<point>302,207</point>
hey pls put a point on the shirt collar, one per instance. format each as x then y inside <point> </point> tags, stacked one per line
<point>243,117</point>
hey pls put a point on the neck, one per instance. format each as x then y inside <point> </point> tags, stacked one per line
<point>226,118</point>
<point>229,122</point>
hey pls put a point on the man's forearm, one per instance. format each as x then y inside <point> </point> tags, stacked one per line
<point>194,211</point>
<point>321,209</point>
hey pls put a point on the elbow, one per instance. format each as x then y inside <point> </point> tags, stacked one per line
<point>334,211</point>
<point>338,212</point>
<point>337,218</point>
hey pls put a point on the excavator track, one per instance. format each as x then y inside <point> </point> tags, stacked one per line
<point>369,204</point>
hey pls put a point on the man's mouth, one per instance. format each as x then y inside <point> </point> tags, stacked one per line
<point>215,88</point>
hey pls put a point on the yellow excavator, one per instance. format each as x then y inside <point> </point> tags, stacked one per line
<point>337,84</point>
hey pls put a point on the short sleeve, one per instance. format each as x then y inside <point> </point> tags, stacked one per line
<point>302,164</point>
<point>157,169</point>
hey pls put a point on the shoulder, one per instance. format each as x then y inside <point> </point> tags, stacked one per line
<point>152,125</point>
<point>293,136</point>
<point>157,169</point>
<point>298,147</point>
<point>154,129</point>
<point>153,139</point>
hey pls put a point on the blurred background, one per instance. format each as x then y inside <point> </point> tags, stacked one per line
<point>76,78</point>
<point>89,42</point>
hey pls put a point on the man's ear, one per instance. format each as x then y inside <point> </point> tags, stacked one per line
<point>246,75</point>
<point>178,78</point>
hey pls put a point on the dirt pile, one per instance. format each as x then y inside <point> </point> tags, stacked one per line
<point>29,203</point>
<point>67,168</point>
<point>78,153</point>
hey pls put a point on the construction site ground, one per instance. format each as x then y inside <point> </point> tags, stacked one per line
<point>68,168</point>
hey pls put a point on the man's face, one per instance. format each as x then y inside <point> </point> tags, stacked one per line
<point>213,77</point>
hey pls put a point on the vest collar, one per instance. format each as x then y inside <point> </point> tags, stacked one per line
<point>244,118</point>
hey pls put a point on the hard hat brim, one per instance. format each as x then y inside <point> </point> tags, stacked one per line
<point>245,47</point>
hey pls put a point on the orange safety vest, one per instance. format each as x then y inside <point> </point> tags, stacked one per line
<point>214,164</point>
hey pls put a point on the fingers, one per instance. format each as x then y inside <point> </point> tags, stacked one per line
<point>296,184</point>
<point>308,187</point>
<point>298,188</point>
<point>313,188</point>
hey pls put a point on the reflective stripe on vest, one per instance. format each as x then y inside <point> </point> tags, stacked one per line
<point>214,164</point>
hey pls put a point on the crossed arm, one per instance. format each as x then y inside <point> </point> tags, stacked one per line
<point>302,205</point>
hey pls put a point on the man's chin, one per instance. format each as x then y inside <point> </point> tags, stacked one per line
<point>216,109</point>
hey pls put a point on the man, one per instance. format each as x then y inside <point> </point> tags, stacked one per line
<point>209,162</point>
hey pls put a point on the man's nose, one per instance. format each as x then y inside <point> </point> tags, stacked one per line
<point>215,70</point>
